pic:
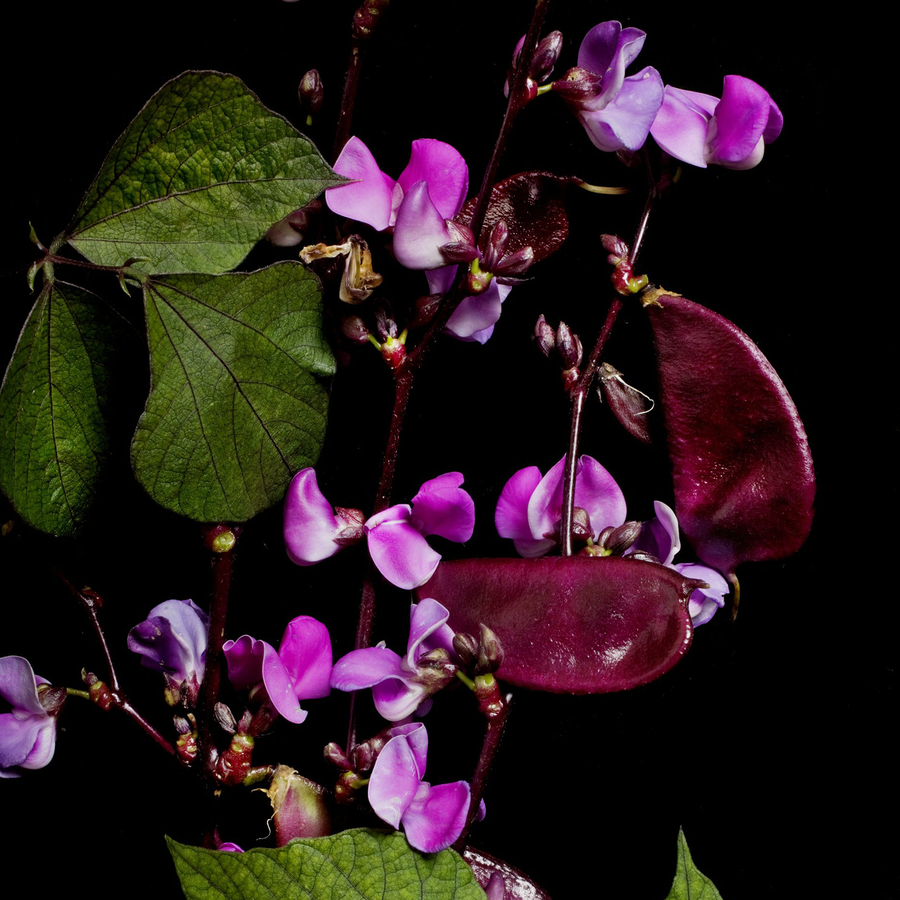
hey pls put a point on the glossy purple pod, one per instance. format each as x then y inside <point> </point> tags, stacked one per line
<point>575,624</point>
<point>743,474</point>
<point>516,884</point>
<point>532,205</point>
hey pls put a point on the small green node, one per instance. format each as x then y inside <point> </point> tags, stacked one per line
<point>223,542</point>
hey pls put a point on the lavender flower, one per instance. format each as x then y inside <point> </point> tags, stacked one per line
<point>28,731</point>
<point>660,538</point>
<point>433,817</point>
<point>732,132</point>
<point>530,506</point>
<point>616,111</point>
<point>430,190</point>
<point>299,670</point>
<point>396,536</point>
<point>401,684</point>
<point>173,639</point>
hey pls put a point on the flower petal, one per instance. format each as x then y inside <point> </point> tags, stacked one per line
<point>365,668</point>
<point>597,492</point>
<point>420,231</point>
<point>173,638</point>
<point>417,737</point>
<point>681,125</point>
<point>18,685</point>
<point>607,50</point>
<point>305,650</point>
<point>394,781</point>
<point>443,169</point>
<point>279,684</point>
<point>740,120</point>
<point>428,630</point>
<point>245,659</point>
<point>398,549</point>
<point>511,515</point>
<point>626,120</point>
<point>477,313</point>
<point>659,536</point>
<point>27,741</point>
<point>368,199</point>
<point>436,816</point>
<point>441,507</point>
<point>704,602</point>
<point>310,525</point>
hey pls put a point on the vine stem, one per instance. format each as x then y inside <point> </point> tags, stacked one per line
<point>91,602</point>
<point>217,540</point>
<point>580,391</point>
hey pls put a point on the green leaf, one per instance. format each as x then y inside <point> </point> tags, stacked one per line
<point>690,883</point>
<point>54,408</point>
<point>197,179</point>
<point>359,864</point>
<point>235,407</point>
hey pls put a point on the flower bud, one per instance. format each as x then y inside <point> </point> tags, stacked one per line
<point>581,524</point>
<point>514,264</point>
<point>225,718</point>
<point>384,322</point>
<point>462,246</point>
<point>545,336</point>
<point>569,346</point>
<point>494,246</point>
<point>334,754</point>
<point>299,807</point>
<point>52,699</point>
<point>621,538</point>
<point>355,329</point>
<point>310,92</point>
<point>545,57</point>
<point>466,648</point>
<point>351,522</point>
<point>490,651</point>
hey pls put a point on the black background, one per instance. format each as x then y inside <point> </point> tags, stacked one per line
<point>768,743</point>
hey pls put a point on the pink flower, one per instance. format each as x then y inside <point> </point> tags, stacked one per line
<point>299,670</point>
<point>430,190</point>
<point>28,731</point>
<point>732,132</point>
<point>313,531</point>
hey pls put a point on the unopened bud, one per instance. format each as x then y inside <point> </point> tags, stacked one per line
<point>544,335</point>
<point>494,245</point>
<point>461,247</point>
<point>466,648</point>
<point>52,699</point>
<point>355,329</point>
<point>490,651</point>
<point>569,346</point>
<point>621,538</point>
<point>426,307</point>
<point>225,717</point>
<point>545,56</point>
<point>514,264</point>
<point>310,92</point>
<point>384,322</point>
<point>334,754</point>
<point>617,249</point>
<point>581,524</point>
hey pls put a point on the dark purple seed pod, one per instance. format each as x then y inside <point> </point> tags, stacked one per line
<point>571,624</point>
<point>743,473</point>
<point>628,404</point>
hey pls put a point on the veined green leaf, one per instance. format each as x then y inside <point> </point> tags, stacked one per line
<point>359,864</point>
<point>54,407</point>
<point>197,179</point>
<point>235,407</point>
<point>690,883</point>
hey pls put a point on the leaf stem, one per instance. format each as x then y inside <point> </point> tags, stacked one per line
<point>583,385</point>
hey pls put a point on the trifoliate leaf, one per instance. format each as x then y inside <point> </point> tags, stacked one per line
<point>690,883</point>
<point>197,179</point>
<point>235,407</point>
<point>359,864</point>
<point>54,408</point>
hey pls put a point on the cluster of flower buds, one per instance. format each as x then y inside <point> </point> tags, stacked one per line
<point>483,657</point>
<point>565,344</point>
<point>489,259</point>
<point>623,278</point>
<point>614,541</point>
<point>540,68</point>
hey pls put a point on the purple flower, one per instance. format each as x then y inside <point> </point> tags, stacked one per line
<point>660,538</point>
<point>530,506</point>
<point>476,315</point>
<point>731,132</point>
<point>173,639</point>
<point>616,111</point>
<point>400,684</point>
<point>433,817</point>
<point>299,670</point>
<point>430,190</point>
<point>396,536</point>
<point>28,731</point>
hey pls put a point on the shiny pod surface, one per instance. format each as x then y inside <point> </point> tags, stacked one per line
<point>575,624</point>
<point>742,470</point>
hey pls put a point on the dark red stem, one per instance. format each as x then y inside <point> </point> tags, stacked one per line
<point>583,385</point>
